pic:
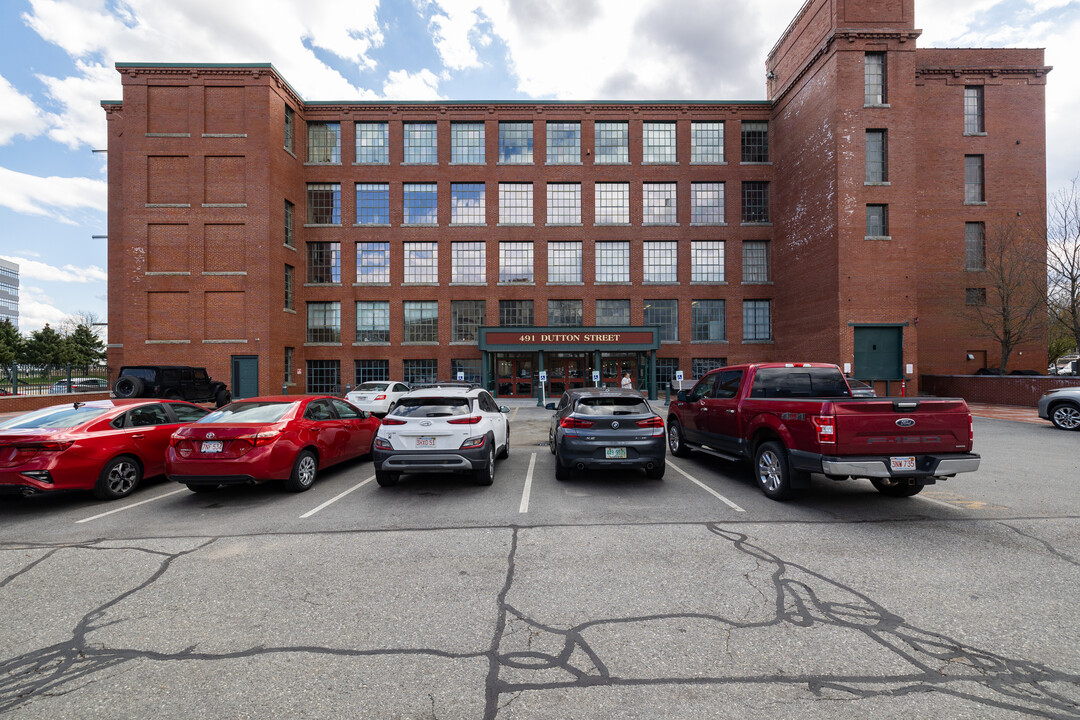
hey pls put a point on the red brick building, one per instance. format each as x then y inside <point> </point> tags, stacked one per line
<point>277,240</point>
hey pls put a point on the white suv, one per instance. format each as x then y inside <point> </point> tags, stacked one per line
<point>377,397</point>
<point>442,430</point>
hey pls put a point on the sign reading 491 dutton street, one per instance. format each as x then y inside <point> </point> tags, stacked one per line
<point>546,338</point>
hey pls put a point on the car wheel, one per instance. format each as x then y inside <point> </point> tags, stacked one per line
<point>506,448</point>
<point>772,472</point>
<point>656,472</point>
<point>304,471</point>
<point>118,478</point>
<point>486,476</point>
<point>386,479</point>
<point>128,386</point>
<point>676,441</point>
<point>561,472</point>
<point>551,441</point>
<point>1065,416</point>
<point>898,487</point>
<point>222,397</point>
<point>202,488</point>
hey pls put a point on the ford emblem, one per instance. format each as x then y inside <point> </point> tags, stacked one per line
<point>905,422</point>
<point>210,435</point>
<point>614,424</point>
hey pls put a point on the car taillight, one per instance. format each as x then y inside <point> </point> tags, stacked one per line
<point>183,446</point>
<point>654,422</point>
<point>473,442</point>
<point>826,427</point>
<point>267,437</point>
<point>471,420</point>
<point>383,444</point>
<point>971,430</point>
<point>572,422</point>
<point>380,397</point>
<point>48,446</point>
<point>392,421</point>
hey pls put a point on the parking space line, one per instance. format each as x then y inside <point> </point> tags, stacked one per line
<point>524,507</point>
<point>334,499</point>
<point>132,505</point>
<point>705,487</point>
<point>939,502</point>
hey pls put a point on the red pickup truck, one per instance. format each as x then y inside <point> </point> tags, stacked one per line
<point>793,419</point>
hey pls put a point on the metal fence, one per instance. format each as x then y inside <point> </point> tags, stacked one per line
<point>22,379</point>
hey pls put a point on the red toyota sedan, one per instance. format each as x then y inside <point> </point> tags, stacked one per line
<point>286,437</point>
<point>107,446</point>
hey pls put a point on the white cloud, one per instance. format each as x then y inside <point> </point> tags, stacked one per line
<point>51,196</point>
<point>37,270</point>
<point>402,85</point>
<point>453,31</point>
<point>18,114</point>
<point>36,309</point>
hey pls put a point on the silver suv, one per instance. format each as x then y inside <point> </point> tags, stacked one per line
<point>1061,406</point>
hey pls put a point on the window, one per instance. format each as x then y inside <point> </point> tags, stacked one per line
<point>372,143</point>
<point>290,211</point>
<point>755,261</point>
<point>612,262</point>
<point>467,204</point>
<point>288,365</point>
<point>661,262</point>
<point>372,203</point>
<point>877,169</point>
<point>564,143</point>
<point>658,142</point>
<point>700,366</point>
<point>421,263</point>
<point>874,78</point>
<point>515,203</point>
<point>467,143</point>
<point>664,313</point>
<point>612,312</point>
<point>757,320</point>
<point>324,203</point>
<point>707,142</point>
<point>564,203</point>
<point>421,144</point>
<point>973,110</point>
<point>755,142</point>
<point>707,321</point>
<point>290,121</point>
<point>660,205</point>
<point>665,370</point>
<point>612,143</point>
<point>974,246</point>
<point>324,142</point>
<point>975,296</point>
<point>470,369</point>
<point>324,322</point>
<point>516,143</point>
<point>324,262</point>
<point>466,317</point>
<point>324,376</point>
<point>707,261</point>
<point>372,322</point>
<point>421,204</point>
<point>419,372</point>
<point>515,313</point>
<point>371,371</point>
<point>468,262</point>
<point>564,262</point>
<point>373,263</point>
<point>973,179</point>
<point>515,262</point>
<point>755,202</point>
<point>612,203</point>
<point>707,203</point>
<point>421,322</point>
<point>289,270</point>
<point>877,221</point>
<point>564,313</point>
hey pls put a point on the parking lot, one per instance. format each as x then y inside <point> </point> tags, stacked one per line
<point>609,596</point>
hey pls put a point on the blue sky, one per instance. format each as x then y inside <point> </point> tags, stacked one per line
<point>57,56</point>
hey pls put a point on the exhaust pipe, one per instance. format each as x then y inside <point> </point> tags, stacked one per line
<point>649,466</point>
<point>29,492</point>
<point>580,466</point>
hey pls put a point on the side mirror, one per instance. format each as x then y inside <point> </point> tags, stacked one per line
<point>682,396</point>
<point>549,406</point>
<point>504,409</point>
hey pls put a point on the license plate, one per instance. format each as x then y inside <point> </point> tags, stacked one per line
<point>425,442</point>
<point>211,446</point>
<point>903,463</point>
<point>615,453</point>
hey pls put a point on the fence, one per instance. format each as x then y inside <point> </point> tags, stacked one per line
<point>36,380</point>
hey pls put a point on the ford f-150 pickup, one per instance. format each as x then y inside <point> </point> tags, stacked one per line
<point>793,419</point>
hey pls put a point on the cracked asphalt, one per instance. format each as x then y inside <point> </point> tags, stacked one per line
<point>610,596</point>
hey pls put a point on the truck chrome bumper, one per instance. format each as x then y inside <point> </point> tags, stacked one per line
<point>928,466</point>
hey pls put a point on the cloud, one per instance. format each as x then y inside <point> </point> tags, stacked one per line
<point>18,114</point>
<point>37,270</point>
<point>402,85</point>
<point>50,196</point>
<point>36,309</point>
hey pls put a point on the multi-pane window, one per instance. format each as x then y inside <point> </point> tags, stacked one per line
<point>371,371</point>
<point>324,203</point>
<point>612,262</point>
<point>372,203</point>
<point>289,280</point>
<point>877,220</point>
<point>419,372</point>
<point>467,143</point>
<point>611,143</point>
<point>564,313</point>
<point>516,143</point>
<point>659,204</point>
<point>877,166</point>
<point>373,322</point>
<point>372,143</point>
<point>755,142</point>
<point>324,321</point>
<point>707,203</point>
<point>755,202</point>
<point>665,370</point>
<point>973,110</point>
<point>757,320</point>
<point>564,262</point>
<point>421,143</point>
<point>661,262</point>
<point>706,142</point>
<point>466,318</point>
<point>469,370</point>
<point>515,203</point>
<point>468,262</point>
<point>564,143</point>
<point>707,322</point>
<point>373,263</point>
<point>707,261</point>
<point>289,353</point>
<point>324,376</point>
<point>755,261</point>
<point>975,296</point>
<point>664,313</point>
<point>564,203</point>
<point>421,262</point>
<point>290,214</point>
<point>515,313</point>
<point>468,205</point>
<point>874,78</point>
<point>700,366</point>
<point>324,262</point>
<point>421,204</point>
<point>515,262</point>
<point>612,203</point>
<point>658,142</point>
<point>973,179</point>
<point>324,142</point>
<point>613,312</point>
<point>974,246</point>
<point>290,123</point>
<point>421,321</point>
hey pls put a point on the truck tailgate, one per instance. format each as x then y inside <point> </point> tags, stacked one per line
<point>902,426</point>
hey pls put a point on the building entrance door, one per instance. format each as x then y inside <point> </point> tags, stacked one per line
<point>245,376</point>
<point>565,374</point>
<point>514,377</point>
<point>612,368</point>
<point>879,353</point>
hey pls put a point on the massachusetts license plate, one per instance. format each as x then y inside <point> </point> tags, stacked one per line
<point>902,463</point>
<point>211,446</point>
<point>615,453</point>
<point>425,442</point>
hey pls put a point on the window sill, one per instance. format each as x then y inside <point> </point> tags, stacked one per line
<point>611,163</point>
<point>289,150</point>
<point>659,224</point>
<point>167,274</point>
<point>872,183</point>
<point>419,225</point>
<point>468,284</point>
<point>287,246</point>
<point>660,282</point>
<point>612,282</point>
<point>167,342</point>
<point>225,342</point>
<point>755,224</point>
<point>224,205</point>
<point>980,202</point>
<point>512,164</point>
<point>557,224</point>
<point>288,310</point>
<point>757,342</point>
<point>385,163</point>
<point>331,163</point>
<point>371,344</point>
<point>566,284</point>
<point>878,237</point>
<point>975,270</point>
<point>416,164</point>
<point>231,273</point>
<point>877,105</point>
<point>425,343</point>
<point>755,162</point>
<point>975,134</point>
<point>224,135</point>
<point>556,164</point>
<point>603,224</point>
<point>419,284</point>
<point>517,284</point>
<point>715,224</point>
<point>515,225</point>
<point>168,205</point>
<point>464,342</point>
<point>169,135</point>
<point>670,342</point>
<point>710,342</point>
<point>672,163</point>
<point>322,344</point>
<point>372,225</point>
<point>335,284</point>
<point>371,284</point>
<point>757,282</point>
<point>708,282</point>
<point>699,162</point>
<point>464,224</point>
<point>322,225</point>
<point>477,163</point>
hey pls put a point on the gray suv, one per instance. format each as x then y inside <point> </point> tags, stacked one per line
<point>1061,406</point>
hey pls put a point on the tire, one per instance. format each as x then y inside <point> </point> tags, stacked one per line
<point>118,478</point>
<point>128,386</point>
<point>772,472</point>
<point>896,488</point>
<point>551,442</point>
<point>506,448</point>
<point>222,397</point>
<point>202,488</point>
<point>657,472</point>
<point>486,476</point>
<point>676,441</point>
<point>386,479</point>
<point>562,472</point>
<point>304,471</point>
<point>1065,416</point>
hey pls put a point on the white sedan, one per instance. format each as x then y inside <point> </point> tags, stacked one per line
<point>377,397</point>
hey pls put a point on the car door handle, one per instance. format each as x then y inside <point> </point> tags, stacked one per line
<point>731,411</point>
<point>139,436</point>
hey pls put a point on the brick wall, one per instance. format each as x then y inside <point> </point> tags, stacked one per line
<point>1022,390</point>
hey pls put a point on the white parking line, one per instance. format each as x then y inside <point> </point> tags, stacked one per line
<point>706,488</point>
<point>939,502</point>
<point>524,507</point>
<point>132,505</point>
<point>333,500</point>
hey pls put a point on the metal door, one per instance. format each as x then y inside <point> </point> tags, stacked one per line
<point>879,353</point>
<point>245,376</point>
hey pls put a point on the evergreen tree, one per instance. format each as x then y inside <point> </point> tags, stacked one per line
<point>11,344</point>
<point>46,347</point>
<point>86,346</point>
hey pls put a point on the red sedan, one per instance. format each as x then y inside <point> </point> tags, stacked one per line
<point>107,446</point>
<point>286,437</point>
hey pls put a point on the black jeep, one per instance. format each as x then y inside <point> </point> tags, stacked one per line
<point>175,382</point>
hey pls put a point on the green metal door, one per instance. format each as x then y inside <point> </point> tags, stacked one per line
<point>879,353</point>
<point>245,376</point>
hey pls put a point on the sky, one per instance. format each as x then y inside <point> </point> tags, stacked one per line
<point>57,64</point>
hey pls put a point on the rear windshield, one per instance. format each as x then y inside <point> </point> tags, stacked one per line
<point>372,386</point>
<point>799,382</point>
<point>612,406</point>
<point>250,412</point>
<point>54,417</point>
<point>432,406</point>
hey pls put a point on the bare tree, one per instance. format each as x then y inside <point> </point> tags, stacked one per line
<point>1063,259</point>
<point>89,318</point>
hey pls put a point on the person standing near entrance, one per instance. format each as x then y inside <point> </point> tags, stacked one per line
<point>627,383</point>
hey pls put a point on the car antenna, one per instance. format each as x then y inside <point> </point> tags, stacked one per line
<point>77,404</point>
